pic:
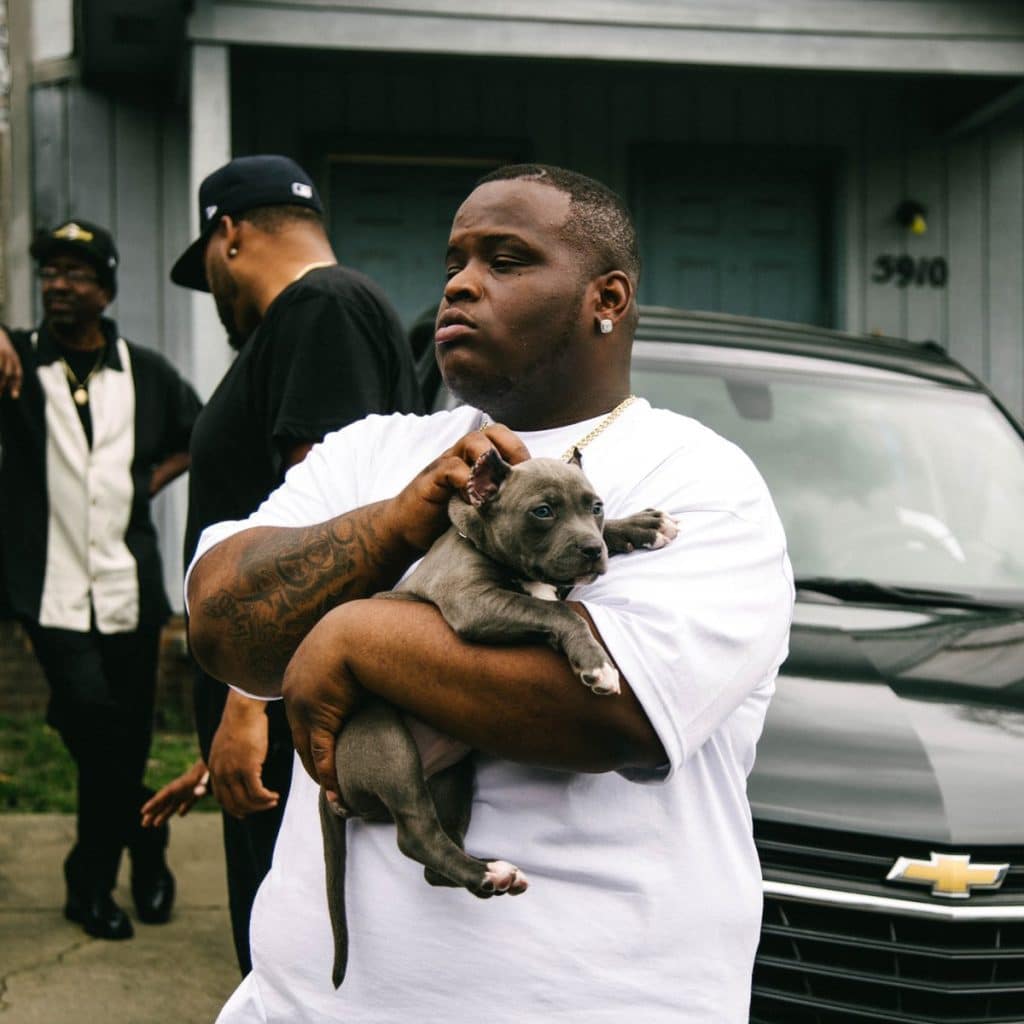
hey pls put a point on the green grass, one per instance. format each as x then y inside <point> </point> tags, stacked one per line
<point>37,773</point>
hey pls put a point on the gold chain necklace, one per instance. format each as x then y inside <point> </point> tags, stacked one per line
<point>81,387</point>
<point>600,428</point>
<point>566,456</point>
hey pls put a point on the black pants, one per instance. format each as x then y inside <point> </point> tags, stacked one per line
<point>249,842</point>
<point>248,852</point>
<point>101,702</point>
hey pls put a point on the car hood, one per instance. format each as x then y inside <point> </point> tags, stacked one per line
<point>898,721</point>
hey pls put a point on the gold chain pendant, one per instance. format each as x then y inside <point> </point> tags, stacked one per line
<point>80,388</point>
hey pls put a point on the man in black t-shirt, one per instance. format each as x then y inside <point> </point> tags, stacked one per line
<point>319,347</point>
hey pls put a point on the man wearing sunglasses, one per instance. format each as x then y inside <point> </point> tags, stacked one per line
<point>92,427</point>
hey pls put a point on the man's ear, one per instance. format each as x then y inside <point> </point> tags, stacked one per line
<point>613,294</point>
<point>489,472</point>
<point>228,231</point>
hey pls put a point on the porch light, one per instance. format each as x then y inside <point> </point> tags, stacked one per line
<point>911,214</point>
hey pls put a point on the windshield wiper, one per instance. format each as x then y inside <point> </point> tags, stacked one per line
<point>887,593</point>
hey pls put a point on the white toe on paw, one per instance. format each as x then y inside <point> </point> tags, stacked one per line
<point>603,680</point>
<point>504,877</point>
<point>668,530</point>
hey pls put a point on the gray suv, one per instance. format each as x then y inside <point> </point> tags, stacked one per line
<point>888,794</point>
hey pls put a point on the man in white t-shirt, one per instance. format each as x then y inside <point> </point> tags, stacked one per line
<point>629,813</point>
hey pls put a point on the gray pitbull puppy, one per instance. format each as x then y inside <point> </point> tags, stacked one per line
<point>529,534</point>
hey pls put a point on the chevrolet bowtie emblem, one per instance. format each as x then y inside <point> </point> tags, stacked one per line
<point>951,876</point>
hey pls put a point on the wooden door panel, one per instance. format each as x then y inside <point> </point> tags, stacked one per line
<point>734,236</point>
<point>391,221</point>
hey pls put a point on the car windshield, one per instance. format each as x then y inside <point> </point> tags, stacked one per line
<point>876,475</point>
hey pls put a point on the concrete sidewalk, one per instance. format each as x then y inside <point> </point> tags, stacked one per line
<point>51,972</point>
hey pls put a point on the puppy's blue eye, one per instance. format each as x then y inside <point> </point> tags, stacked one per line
<point>598,508</point>
<point>542,512</point>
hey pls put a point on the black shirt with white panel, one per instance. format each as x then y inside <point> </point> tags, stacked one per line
<point>77,540</point>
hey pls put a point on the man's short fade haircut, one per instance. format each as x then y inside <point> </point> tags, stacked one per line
<point>281,215</point>
<point>599,226</point>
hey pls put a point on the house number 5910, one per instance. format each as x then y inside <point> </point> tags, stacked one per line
<point>905,270</point>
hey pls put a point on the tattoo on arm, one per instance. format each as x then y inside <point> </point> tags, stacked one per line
<point>286,583</point>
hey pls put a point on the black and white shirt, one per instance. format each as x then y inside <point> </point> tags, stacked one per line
<point>78,544</point>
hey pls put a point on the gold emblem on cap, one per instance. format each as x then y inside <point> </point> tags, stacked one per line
<point>73,233</point>
<point>951,876</point>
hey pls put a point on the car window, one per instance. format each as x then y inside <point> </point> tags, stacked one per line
<point>884,476</point>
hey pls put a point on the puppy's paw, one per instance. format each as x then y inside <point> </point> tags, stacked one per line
<point>502,878</point>
<point>650,529</point>
<point>668,530</point>
<point>602,680</point>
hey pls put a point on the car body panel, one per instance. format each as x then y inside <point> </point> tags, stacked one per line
<point>907,723</point>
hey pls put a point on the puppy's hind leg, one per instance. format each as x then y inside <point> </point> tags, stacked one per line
<point>400,786</point>
<point>452,793</point>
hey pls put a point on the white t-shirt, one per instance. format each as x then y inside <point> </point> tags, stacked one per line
<point>644,900</point>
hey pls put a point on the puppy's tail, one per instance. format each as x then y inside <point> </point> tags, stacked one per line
<point>332,826</point>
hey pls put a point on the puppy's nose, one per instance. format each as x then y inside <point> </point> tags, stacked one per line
<point>592,552</point>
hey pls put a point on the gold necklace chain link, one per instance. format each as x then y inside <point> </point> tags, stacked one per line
<point>566,456</point>
<point>600,428</point>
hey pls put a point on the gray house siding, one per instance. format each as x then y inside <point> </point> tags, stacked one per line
<point>125,167</point>
<point>887,137</point>
<point>974,190</point>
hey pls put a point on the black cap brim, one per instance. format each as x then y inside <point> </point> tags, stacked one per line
<point>190,269</point>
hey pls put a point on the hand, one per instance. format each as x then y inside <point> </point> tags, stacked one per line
<point>179,795</point>
<point>320,695</point>
<point>10,367</point>
<point>237,754</point>
<point>420,510</point>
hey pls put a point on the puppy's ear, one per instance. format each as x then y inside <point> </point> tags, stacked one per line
<point>576,459</point>
<point>489,472</point>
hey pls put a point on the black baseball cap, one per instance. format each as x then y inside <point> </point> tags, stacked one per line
<point>243,184</point>
<point>85,240</point>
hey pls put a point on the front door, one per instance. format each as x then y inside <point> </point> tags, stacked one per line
<point>734,233</point>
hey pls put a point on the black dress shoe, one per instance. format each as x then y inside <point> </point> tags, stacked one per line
<point>99,915</point>
<point>153,891</point>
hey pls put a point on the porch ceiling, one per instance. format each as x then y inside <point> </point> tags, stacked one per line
<point>983,37</point>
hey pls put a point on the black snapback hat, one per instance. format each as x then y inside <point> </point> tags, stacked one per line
<point>243,184</point>
<point>85,240</point>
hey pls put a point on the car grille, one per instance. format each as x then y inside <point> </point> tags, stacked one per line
<point>826,857</point>
<point>820,963</point>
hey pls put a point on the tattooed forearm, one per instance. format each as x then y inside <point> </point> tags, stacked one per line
<point>262,591</point>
